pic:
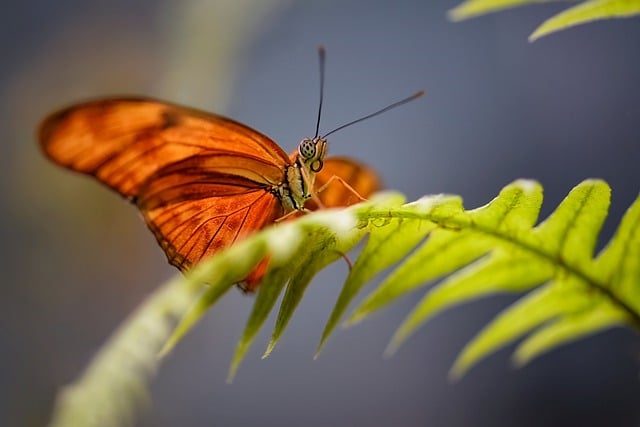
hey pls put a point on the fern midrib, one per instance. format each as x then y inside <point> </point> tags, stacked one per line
<point>594,283</point>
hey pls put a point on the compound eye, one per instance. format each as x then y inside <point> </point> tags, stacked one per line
<point>307,149</point>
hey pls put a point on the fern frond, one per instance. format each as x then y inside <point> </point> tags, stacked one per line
<point>592,10</point>
<point>556,255</point>
<point>587,11</point>
<point>496,248</point>
<point>472,8</point>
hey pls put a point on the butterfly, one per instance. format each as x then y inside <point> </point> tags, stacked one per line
<point>201,181</point>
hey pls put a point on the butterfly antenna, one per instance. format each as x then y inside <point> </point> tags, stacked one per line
<point>387,108</point>
<point>321,56</point>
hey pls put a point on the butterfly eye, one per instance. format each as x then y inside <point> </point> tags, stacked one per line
<point>307,149</point>
<point>317,165</point>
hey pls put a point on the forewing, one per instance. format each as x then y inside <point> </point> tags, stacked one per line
<point>124,141</point>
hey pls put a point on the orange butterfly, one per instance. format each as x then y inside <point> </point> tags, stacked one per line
<point>200,180</point>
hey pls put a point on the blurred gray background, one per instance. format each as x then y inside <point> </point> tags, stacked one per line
<point>76,259</point>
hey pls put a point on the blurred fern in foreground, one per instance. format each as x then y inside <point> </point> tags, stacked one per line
<point>587,11</point>
<point>495,248</point>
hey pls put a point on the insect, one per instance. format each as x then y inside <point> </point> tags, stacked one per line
<point>200,180</point>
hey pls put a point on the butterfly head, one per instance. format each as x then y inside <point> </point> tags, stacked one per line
<point>311,153</point>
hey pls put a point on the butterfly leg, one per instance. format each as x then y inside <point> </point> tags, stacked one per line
<point>346,259</point>
<point>346,185</point>
<point>290,215</point>
<point>313,194</point>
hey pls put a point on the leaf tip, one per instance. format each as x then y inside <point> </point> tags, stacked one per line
<point>269,350</point>
<point>461,366</point>
<point>455,375</point>
<point>164,351</point>
<point>528,185</point>
<point>390,351</point>
<point>534,36</point>
<point>233,370</point>
<point>519,359</point>
<point>456,14</point>
<point>319,348</point>
<point>353,320</point>
<point>397,340</point>
<point>328,329</point>
<point>241,351</point>
<point>167,347</point>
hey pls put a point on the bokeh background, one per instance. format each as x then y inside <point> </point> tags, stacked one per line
<point>76,259</point>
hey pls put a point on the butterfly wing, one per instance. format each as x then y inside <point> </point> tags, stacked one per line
<point>201,181</point>
<point>123,141</point>
<point>204,203</point>
<point>363,179</point>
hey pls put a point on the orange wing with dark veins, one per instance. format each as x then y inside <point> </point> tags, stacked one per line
<point>190,230</point>
<point>204,203</point>
<point>201,181</point>
<point>123,141</point>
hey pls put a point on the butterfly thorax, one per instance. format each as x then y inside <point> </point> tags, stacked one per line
<point>299,177</point>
